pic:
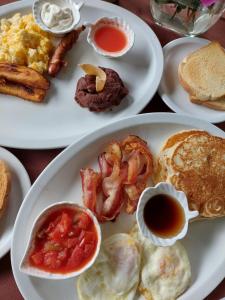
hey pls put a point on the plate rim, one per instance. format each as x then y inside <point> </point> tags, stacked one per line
<point>53,143</point>
<point>166,99</point>
<point>78,145</point>
<point>24,181</point>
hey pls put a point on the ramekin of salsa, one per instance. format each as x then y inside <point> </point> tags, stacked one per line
<point>64,242</point>
<point>111,37</point>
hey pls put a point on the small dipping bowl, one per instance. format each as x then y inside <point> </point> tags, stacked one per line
<point>29,269</point>
<point>177,202</point>
<point>75,8</point>
<point>115,23</point>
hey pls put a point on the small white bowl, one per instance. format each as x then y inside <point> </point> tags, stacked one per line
<point>37,5</point>
<point>179,196</point>
<point>114,22</point>
<point>28,269</point>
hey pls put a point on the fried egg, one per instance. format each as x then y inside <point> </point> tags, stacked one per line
<point>165,271</point>
<point>115,274</point>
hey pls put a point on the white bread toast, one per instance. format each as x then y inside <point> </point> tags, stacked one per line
<point>215,104</point>
<point>5,180</point>
<point>202,75</point>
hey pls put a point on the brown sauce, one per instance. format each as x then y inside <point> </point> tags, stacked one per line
<point>164,216</point>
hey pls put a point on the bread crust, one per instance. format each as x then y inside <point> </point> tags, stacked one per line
<point>216,104</point>
<point>5,185</point>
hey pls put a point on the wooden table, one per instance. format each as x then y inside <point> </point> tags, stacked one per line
<point>36,160</point>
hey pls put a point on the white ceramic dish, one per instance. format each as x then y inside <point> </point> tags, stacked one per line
<point>41,218</point>
<point>75,8</point>
<point>61,180</point>
<point>20,184</point>
<point>60,120</point>
<point>116,23</point>
<point>179,196</point>
<point>170,89</point>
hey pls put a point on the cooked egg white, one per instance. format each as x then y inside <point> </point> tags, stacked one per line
<point>115,275</point>
<point>166,271</point>
<point>23,42</point>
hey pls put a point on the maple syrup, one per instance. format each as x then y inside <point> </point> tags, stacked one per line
<point>164,216</point>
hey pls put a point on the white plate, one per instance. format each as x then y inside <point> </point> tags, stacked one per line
<point>20,184</point>
<point>60,120</point>
<point>61,181</point>
<point>170,89</point>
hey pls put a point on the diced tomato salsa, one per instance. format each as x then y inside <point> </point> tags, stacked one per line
<point>65,242</point>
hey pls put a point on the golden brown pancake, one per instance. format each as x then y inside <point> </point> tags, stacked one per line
<point>196,166</point>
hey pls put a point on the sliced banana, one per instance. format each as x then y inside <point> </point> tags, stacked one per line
<point>98,72</point>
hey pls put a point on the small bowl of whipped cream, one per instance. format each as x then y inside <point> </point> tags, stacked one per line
<point>57,17</point>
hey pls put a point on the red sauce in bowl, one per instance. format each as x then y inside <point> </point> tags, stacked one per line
<point>65,242</point>
<point>110,39</point>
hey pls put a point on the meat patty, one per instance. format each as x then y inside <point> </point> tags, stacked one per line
<point>112,94</point>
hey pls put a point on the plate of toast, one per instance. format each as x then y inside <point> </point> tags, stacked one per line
<point>47,99</point>
<point>14,184</point>
<point>193,81</point>
<point>126,158</point>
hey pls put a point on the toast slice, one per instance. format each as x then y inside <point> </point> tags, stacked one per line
<point>215,104</point>
<point>5,180</point>
<point>202,73</point>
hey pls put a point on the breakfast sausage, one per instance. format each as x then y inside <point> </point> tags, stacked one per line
<point>66,43</point>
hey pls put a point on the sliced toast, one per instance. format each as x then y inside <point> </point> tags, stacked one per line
<point>202,73</point>
<point>5,180</point>
<point>215,104</point>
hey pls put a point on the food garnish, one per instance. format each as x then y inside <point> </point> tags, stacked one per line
<point>65,242</point>
<point>66,44</point>
<point>24,43</point>
<point>22,82</point>
<point>112,94</point>
<point>96,71</point>
<point>125,167</point>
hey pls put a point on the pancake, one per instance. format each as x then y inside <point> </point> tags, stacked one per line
<point>196,165</point>
<point>160,172</point>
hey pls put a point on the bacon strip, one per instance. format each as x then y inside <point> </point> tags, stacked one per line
<point>124,170</point>
<point>90,183</point>
<point>140,167</point>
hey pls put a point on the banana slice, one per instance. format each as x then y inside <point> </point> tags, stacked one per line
<point>98,72</point>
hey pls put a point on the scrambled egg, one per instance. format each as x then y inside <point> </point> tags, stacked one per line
<point>23,42</point>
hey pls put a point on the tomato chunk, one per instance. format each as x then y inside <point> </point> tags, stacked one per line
<point>62,228</point>
<point>84,221</point>
<point>76,257</point>
<point>37,258</point>
<point>51,260</point>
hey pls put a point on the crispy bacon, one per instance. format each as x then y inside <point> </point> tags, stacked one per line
<point>140,167</point>
<point>91,181</point>
<point>112,188</point>
<point>124,170</point>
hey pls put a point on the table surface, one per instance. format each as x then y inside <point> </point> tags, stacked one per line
<point>36,160</point>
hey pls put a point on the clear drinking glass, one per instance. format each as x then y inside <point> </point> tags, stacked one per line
<point>187,17</point>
